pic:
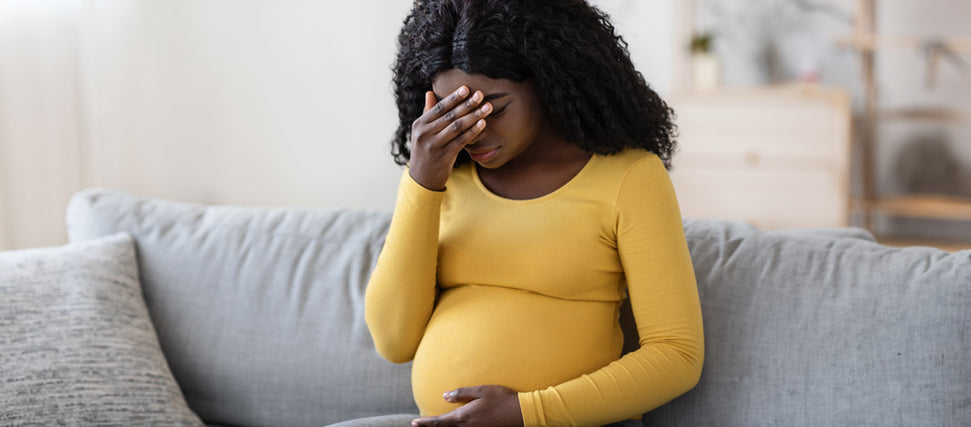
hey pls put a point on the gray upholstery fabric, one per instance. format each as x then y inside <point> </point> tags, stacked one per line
<point>816,330</point>
<point>404,420</point>
<point>831,233</point>
<point>397,420</point>
<point>259,310</point>
<point>76,343</point>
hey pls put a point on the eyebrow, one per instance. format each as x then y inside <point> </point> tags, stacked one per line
<point>490,97</point>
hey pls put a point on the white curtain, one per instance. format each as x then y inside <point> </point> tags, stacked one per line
<point>39,120</point>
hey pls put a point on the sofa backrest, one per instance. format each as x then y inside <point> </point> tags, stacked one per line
<point>259,311</point>
<point>826,327</point>
<point>804,327</point>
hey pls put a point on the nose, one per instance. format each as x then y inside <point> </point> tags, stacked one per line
<point>482,135</point>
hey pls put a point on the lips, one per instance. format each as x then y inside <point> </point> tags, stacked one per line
<point>482,155</point>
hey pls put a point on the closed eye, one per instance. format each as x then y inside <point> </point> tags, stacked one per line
<point>499,111</point>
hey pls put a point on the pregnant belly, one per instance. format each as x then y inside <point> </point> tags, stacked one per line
<point>525,341</point>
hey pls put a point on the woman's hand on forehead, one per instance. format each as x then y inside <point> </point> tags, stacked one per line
<point>442,131</point>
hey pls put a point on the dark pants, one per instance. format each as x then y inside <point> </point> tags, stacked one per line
<point>626,423</point>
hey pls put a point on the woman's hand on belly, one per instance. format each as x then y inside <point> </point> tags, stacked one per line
<point>485,405</point>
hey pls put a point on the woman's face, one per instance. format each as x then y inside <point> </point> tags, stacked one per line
<point>517,118</point>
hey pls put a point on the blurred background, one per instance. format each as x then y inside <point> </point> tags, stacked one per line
<point>792,113</point>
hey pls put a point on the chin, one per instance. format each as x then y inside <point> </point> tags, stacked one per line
<point>491,165</point>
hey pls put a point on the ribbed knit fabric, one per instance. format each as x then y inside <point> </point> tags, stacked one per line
<point>480,289</point>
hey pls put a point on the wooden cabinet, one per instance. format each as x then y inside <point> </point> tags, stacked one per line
<point>776,157</point>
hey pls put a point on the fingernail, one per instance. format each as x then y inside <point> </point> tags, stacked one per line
<point>479,124</point>
<point>448,395</point>
<point>477,96</point>
<point>463,91</point>
<point>486,108</point>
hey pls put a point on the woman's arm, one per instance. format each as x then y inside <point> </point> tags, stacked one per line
<point>400,295</point>
<point>664,298</point>
<point>401,292</point>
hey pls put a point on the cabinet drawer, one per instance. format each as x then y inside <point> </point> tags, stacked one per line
<point>811,125</point>
<point>766,198</point>
<point>777,158</point>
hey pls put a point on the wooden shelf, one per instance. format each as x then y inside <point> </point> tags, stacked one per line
<point>944,115</point>
<point>867,40</point>
<point>870,42</point>
<point>930,206</point>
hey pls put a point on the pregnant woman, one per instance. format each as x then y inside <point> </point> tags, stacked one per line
<point>535,200</point>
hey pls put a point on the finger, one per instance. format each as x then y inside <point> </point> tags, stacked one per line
<point>461,110</point>
<point>463,394</point>
<point>445,105</point>
<point>439,421</point>
<point>429,101</point>
<point>463,123</point>
<point>466,137</point>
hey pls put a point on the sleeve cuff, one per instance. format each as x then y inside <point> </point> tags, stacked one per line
<point>411,192</point>
<point>532,410</point>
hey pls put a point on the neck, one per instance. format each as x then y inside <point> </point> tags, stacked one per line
<point>548,151</point>
<point>548,163</point>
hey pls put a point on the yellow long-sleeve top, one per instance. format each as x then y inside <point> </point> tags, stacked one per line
<point>479,289</point>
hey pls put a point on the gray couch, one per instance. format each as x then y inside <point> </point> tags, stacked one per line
<point>259,313</point>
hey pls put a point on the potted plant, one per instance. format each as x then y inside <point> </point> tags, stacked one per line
<point>705,69</point>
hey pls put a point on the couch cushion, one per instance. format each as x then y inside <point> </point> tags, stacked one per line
<point>259,310</point>
<point>76,343</point>
<point>823,329</point>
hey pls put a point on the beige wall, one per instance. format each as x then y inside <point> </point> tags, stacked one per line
<point>39,120</point>
<point>218,101</point>
<point>281,103</point>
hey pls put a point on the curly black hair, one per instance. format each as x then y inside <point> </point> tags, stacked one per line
<point>567,48</point>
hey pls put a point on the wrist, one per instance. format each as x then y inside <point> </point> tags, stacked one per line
<point>425,183</point>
